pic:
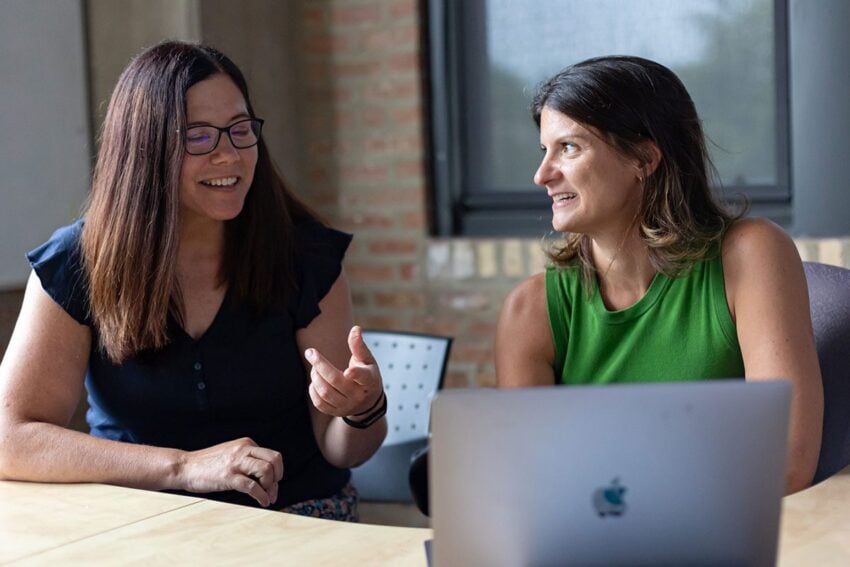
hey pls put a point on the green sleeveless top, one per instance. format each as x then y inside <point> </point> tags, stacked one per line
<point>681,330</point>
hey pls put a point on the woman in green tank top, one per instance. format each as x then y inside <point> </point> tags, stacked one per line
<point>655,280</point>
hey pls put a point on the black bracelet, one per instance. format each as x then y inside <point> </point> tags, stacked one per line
<point>372,407</point>
<point>371,418</point>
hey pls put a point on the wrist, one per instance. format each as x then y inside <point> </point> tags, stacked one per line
<point>370,409</point>
<point>361,421</point>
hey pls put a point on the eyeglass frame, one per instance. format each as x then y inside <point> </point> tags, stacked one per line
<point>185,131</point>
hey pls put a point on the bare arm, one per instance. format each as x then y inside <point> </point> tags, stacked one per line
<point>768,298</point>
<point>525,352</point>
<point>41,382</point>
<point>345,380</point>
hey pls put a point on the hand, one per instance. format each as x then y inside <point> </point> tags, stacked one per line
<point>235,465</point>
<point>346,392</point>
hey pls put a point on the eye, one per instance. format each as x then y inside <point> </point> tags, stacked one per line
<point>568,147</point>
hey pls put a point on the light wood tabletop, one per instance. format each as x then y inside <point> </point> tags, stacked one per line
<point>49,524</point>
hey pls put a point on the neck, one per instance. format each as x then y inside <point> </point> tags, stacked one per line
<point>201,245</point>
<point>624,270</point>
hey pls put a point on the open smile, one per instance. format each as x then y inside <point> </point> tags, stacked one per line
<point>221,182</point>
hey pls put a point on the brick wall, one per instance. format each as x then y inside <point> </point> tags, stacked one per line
<point>361,141</point>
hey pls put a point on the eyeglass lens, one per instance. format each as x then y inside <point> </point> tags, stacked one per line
<point>204,139</point>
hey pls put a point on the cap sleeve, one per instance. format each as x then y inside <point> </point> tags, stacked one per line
<point>321,250</point>
<point>57,263</point>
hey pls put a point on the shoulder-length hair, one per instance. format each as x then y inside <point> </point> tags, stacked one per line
<point>628,101</point>
<point>131,233</point>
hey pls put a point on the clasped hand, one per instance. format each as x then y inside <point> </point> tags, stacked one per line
<point>348,392</point>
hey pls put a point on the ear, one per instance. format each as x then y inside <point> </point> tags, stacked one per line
<point>651,158</point>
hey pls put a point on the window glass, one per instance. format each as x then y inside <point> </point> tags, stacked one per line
<point>723,50</point>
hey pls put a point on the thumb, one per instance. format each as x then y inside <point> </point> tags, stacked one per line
<point>359,351</point>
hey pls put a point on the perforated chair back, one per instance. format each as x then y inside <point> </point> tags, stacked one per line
<point>412,367</point>
<point>829,298</point>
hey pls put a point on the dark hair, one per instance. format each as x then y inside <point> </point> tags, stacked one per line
<point>629,100</point>
<point>131,234</point>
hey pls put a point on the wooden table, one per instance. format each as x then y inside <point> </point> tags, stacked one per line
<point>50,524</point>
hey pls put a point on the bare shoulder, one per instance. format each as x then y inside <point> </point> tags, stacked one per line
<point>524,347</point>
<point>755,240</point>
<point>760,261</point>
<point>527,301</point>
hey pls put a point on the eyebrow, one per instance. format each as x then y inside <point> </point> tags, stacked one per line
<point>234,118</point>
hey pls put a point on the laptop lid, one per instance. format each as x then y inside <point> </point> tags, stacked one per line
<point>682,473</point>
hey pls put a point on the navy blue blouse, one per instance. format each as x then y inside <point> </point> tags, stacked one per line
<point>242,378</point>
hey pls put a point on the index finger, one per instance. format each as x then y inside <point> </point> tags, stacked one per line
<point>323,366</point>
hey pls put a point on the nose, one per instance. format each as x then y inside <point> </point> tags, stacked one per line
<point>544,172</point>
<point>225,151</point>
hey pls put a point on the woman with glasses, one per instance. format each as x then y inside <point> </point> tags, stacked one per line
<point>202,305</point>
<point>655,280</point>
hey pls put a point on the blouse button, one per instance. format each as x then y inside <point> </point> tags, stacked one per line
<point>198,366</point>
<point>201,386</point>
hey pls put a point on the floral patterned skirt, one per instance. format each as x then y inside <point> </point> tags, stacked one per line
<point>341,506</point>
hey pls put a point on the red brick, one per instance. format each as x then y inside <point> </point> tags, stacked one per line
<point>410,168</point>
<point>365,13</point>
<point>313,16</point>
<point>399,299</point>
<point>325,44</point>
<point>360,299</point>
<point>485,380</point>
<point>379,322</point>
<point>364,173</point>
<point>373,117</point>
<point>366,273</point>
<point>409,271</point>
<point>477,354</point>
<point>403,63</point>
<point>356,68</point>
<point>486,329</point>
<point>414,220</point>
<point>393,246</point>
<point>406,115</point>
<point>403,9</point>
<point>406,35</point>
<point>438,326</point>
<point>455,379</point>
<point>365,221</point>
<point>384,197</point>
<point>391,90</point>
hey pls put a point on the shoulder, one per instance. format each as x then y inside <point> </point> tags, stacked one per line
<point>756,239</point>
<point>315,238</point>
<point>760,258</point>
<point>58,265</point>
<point>527,300</point>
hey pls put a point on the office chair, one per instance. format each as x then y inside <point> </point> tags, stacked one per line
<point>412,367</point>
<point>829,298</point>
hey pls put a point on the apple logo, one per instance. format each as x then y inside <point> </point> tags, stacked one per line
<point>608,500</point>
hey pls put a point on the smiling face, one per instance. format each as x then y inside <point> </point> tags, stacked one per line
<point>594,188</point>
<point>213,186</point>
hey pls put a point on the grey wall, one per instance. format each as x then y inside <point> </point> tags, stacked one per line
<point>820,116</point>
<point>44,136</point>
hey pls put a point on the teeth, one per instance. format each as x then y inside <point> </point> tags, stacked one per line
<point>565,197</point>
<point>221,182</point>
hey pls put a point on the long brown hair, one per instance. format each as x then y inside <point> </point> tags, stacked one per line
<point>629,100</point>
<point>131,233</point>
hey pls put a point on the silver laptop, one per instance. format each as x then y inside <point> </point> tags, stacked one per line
<point>676,474</point>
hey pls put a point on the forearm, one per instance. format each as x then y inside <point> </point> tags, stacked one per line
<point>44,452</point>
<point>345,446</point>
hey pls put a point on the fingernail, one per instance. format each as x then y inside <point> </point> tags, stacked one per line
<point>310,354</point>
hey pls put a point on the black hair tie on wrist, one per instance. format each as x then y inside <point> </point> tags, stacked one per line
<point>372,417</point>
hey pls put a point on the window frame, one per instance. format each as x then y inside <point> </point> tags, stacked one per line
<point>459,211</point>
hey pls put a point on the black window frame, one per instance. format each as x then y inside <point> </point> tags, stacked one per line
<point>458,211</point>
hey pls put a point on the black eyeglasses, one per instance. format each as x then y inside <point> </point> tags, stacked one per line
<point>200,140</point>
